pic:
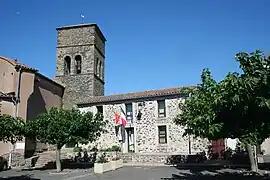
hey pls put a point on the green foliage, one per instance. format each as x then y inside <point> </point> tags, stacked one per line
<point>102,158</point>
<point>61,126</point>
<point>11,129</point>
<point>236,107</point>
<point>116,158</point>
<point>114,148</point>
<point>93,149</point>
<point>77,149</point>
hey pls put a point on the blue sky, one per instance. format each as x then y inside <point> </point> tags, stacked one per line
<point>151,44</point>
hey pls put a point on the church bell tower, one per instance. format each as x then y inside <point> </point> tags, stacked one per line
<point>80,62</point>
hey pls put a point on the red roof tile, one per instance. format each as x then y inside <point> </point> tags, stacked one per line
<point>14,63</point>
<point>133,96</point>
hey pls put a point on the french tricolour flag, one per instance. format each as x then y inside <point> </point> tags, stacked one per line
<point>120,118</point>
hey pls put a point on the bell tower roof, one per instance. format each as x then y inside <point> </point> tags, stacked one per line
<point>84,25</point>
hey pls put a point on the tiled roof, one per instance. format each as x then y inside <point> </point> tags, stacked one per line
<point>133,96</point>
<point>14,62</point>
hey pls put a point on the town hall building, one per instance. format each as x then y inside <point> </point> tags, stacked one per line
<point>79,82</point>
<point>149,114</point>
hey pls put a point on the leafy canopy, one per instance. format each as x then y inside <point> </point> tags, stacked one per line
<point>11,129</point>
<point>236,107</point>
<point>60,126</point>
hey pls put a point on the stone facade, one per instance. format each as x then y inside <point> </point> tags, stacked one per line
<point>146,133</point>
<point>88,43</point>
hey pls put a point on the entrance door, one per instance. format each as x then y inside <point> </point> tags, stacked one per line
<point>218,146</point>
<point>130,139</point>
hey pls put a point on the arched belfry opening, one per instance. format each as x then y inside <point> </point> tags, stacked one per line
<point>100,69</point>
<point>67,63</point>
<point>78,66</point>
<point>80,60</point>
<point>97,67</point>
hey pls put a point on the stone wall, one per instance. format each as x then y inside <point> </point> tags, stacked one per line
<point>78,87</point>
<point>100,45</point>
<point>98,87</point>
<point>85,41</point>
<point>146,129</point>
<point>86,52</point>
<point>17,158</point>
<point>76,36</point>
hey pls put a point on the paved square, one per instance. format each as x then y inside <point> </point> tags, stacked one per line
<point>131,173</point>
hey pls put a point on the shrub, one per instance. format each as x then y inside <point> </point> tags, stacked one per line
<point>77,149</point>
<point>116,148</point>
<point>111,149</point>
<point>94,149</point>
<point>102,158</point>
<point>115,158</point>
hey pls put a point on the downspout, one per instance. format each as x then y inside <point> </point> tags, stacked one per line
<point>16,101</point>
<point>189,138</point>
<point>17,96</point>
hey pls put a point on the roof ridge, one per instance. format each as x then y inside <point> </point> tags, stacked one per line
<point>15,62</point>
<point>133,96</point>
<point>153,90</point>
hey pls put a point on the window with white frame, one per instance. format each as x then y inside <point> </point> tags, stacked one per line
<point>129,111</point>
<point>162,134</point>
<point>161,108</point>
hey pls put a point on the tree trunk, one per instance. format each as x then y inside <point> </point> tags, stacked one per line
<point>58,159</point>
<point>10,159</point>
<point>11,155</point>
<point>253,161</point>
<point>256,157</point>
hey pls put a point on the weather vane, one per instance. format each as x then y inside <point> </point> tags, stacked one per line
<point>82,16</point>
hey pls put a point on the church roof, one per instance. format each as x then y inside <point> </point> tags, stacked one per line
<point>16,63</point>
<point>133,96</point>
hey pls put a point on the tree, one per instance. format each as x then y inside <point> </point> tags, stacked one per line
<point>236,107</point>
<point>59,127</point>
<point>11,130</point>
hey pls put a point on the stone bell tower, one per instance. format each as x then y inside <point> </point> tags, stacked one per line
<point>80,61</point>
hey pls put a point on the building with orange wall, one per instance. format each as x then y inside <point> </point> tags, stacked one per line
<point>26,93</point>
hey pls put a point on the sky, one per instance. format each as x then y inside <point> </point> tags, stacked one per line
<point>151,44</point>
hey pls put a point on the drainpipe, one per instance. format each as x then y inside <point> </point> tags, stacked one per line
<point>189,138</point>
<point>16,101</point>
<point>18,89</point>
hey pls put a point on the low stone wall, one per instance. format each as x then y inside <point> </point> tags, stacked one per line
<point>17,158</point>
<point>168,159</point>
<point>147,158</point>
<point>109,155</point>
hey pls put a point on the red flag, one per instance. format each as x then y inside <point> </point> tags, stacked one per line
<point>120,119</point>
<point>117,118</point>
